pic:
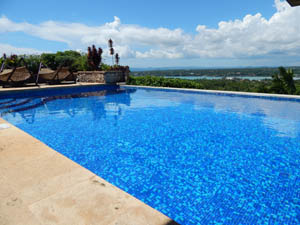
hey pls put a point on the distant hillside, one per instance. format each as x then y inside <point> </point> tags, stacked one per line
<point>133,69</point>
<point>264,71</point>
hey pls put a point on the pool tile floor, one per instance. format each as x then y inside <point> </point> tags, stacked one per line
<point>40,186</point>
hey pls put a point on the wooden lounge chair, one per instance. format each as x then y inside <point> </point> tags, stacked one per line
<point>54,76</point>
<point>14,77</point>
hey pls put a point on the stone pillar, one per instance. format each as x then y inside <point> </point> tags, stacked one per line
<point>112,77</point>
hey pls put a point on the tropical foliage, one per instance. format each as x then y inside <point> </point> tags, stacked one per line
<point>73,59</point>
<point>163,82</point>
<point>282,83</point>
<point>69,58</point>
<point>11,61</point>
<point>32,62</point>
<point>94,57</point>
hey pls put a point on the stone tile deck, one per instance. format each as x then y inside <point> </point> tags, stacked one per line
<point>40,186</point>
<point>46,86</point>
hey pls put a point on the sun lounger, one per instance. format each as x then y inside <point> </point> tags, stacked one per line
<point>14,77</point>
<point>55,76</point>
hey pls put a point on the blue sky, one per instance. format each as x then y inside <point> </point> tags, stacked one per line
<point>155,13</point>
<point>158,33</point>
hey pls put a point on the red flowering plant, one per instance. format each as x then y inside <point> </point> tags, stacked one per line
<point>94,57</point>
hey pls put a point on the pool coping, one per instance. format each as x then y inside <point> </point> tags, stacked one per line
<point>44,187</point>
<point>48,87</point>
<point>249,94</point>
<point>82,84</point>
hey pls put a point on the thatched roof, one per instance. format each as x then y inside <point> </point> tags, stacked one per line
<point>6,72</point>
<point>46,71</point>
<point>294,2</point>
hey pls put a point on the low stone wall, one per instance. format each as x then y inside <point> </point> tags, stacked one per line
<point>101,76</point>
<point>91,76</point>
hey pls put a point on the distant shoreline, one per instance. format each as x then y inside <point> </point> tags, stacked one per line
<point>216,73</point>
<point>257,78</point>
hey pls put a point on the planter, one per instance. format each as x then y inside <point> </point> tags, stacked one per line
<point>112,77</point>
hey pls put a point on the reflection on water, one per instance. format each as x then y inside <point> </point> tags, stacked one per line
<point>6,101</point>
<point>66,106</point>
<point>276,114</point>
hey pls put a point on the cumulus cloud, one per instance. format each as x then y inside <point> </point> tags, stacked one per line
<point>252,36</point>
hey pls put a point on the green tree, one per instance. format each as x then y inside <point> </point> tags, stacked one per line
<point>69,58</point>
<point>81,63</point>
<point>288,80</point>
<point>48,59</point>
<point>32,62</point>
<point>283,82</point>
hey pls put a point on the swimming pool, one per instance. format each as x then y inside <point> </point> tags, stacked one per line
<point>199,158</point>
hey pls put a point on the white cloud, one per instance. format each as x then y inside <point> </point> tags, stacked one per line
<point>159,54</point>
<point>252,36</point>
<point>8,49</point>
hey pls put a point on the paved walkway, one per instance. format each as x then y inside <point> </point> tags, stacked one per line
<point>47,86</point>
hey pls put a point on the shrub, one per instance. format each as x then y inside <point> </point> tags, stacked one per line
<point>221,84</point>
<point>33,62</point>
<point>48,59</point>
<point>11,61</point>
<point>163,82</point>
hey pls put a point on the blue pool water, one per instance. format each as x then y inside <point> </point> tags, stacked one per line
<point>198,158</point>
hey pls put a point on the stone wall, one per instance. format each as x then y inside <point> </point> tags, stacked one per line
<point>91,76</point>
<point>101,76</point>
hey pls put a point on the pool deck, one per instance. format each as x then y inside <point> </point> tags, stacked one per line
<point>45,86</point>
<point>40,186</point>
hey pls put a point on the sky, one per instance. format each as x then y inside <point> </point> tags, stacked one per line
<point>157,33</point>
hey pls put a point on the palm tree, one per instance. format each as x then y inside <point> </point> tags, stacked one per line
<point>283,83</point>
<point>110,45</point>
<point>117,59</point>
<point>288,79</point>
